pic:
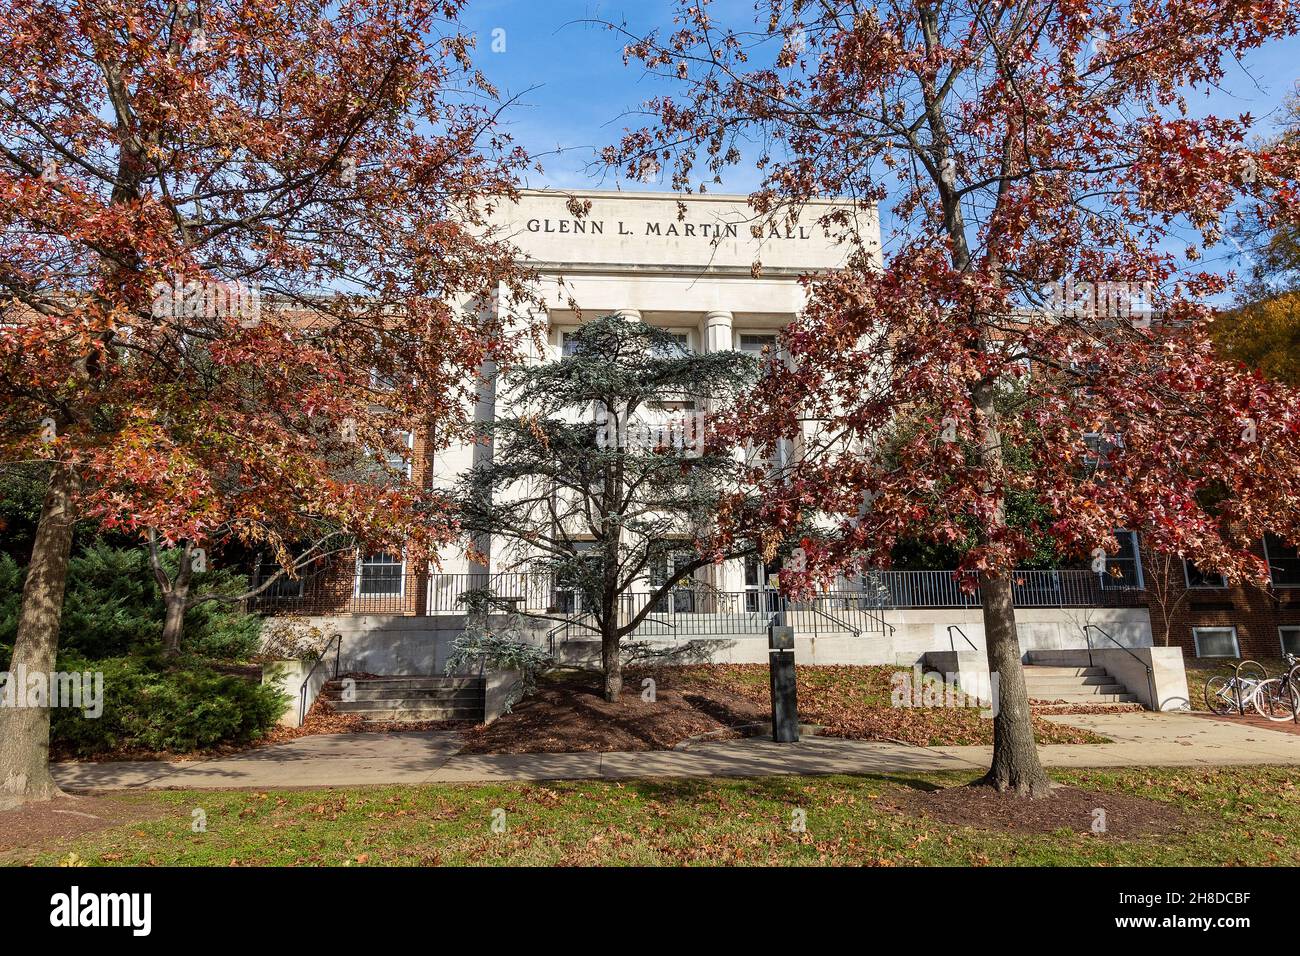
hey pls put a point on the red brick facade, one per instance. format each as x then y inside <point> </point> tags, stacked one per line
<point>1256,613</point>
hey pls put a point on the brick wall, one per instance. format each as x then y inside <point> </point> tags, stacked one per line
<point>1255,612</point>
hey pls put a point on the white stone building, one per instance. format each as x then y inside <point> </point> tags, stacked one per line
<point>686,264</point>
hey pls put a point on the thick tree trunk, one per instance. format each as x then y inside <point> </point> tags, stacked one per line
<point>1015,765</point>
<point>25,731</point>
<point>610,662</point>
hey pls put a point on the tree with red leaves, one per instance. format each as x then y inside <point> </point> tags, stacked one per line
<point>243,260</point>
<point>1040,160</point>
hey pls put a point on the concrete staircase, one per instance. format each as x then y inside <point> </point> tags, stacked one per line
<point>1075,685</point>
<point>389,699</point>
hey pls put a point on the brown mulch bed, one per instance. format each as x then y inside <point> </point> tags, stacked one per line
<point>1066,808</point>
<point>570,715</point>
<point>41,822</point>
<point>1253,720</point>
<point>727,700</point>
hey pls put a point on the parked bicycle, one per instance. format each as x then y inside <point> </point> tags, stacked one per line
<point>1227,695</point>
<point>1279,697</point>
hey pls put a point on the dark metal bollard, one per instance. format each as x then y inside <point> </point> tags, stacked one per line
<point>785,704</point>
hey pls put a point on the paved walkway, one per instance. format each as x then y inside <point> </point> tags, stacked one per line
<point>1140,739</point>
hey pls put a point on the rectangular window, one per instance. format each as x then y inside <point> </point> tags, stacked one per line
<point>758,342</point>
<point>381,382</point>
<point>1216,641</point>
<point>682,596</point>
<point>1196,578</point>
<point>1102,448</point>
<point>1283,562</point>
<point>283,587</point>
<point>1124,567</point>
<point>574,583</point>
<point>394,461</point>
<point>402,463</point>
<point>380,574</point>
<point>568,343</point>
<point>681,346</point>
<point>1290,637</point>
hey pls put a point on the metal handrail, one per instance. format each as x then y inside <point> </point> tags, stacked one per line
<point>1151,684</point>
<point>337,640</point>
<point>952,644</point>
<point>564,626</point>
<point>856,632</point>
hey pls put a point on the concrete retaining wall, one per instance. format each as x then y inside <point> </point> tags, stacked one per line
<point>396,645</point>
<point>290,676</point>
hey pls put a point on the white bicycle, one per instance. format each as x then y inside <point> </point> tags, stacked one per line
<point>1274,698</point>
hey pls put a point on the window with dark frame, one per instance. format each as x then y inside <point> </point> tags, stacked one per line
<point>1196,578</point>
<point>1283,562</point>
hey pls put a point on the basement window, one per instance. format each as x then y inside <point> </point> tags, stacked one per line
<point>1216,642</point>
<point>1290,637</point>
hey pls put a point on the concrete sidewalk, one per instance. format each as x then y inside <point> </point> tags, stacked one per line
<point>1140,739</point>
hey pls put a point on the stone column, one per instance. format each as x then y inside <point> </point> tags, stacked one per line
<point>718,337</point>
<point>717,331</point>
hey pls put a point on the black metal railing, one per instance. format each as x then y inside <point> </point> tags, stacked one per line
<point>952,644</point>
<point>940,589</point>
<point>1151,683</point>
<point>853,605</point>
<point>337,640</point>
<point>700,613</point>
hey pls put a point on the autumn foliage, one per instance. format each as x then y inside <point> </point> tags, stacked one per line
<point>1037,162</point>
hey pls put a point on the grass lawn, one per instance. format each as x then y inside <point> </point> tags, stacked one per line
<point>1232,816</point>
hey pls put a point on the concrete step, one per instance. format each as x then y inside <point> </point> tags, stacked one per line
<point>1079,690</point>
<point>1103,680</point>
<point>1074,685</point>
<point>409,710</point>
<point>406,703</point>
<point>448,713</point>
<point>362,692</point>
<point>1044,670</point>
<point>1116,698</point>
<point>453,682</point>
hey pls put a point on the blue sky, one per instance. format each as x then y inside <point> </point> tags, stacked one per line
<point>577,94</point>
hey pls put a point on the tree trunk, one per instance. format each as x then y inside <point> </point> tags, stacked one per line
<point>174,621</point>
<point>25,731</point>
<point>610,662</point>
<point>175,595</point>
<point>1015,765</point>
